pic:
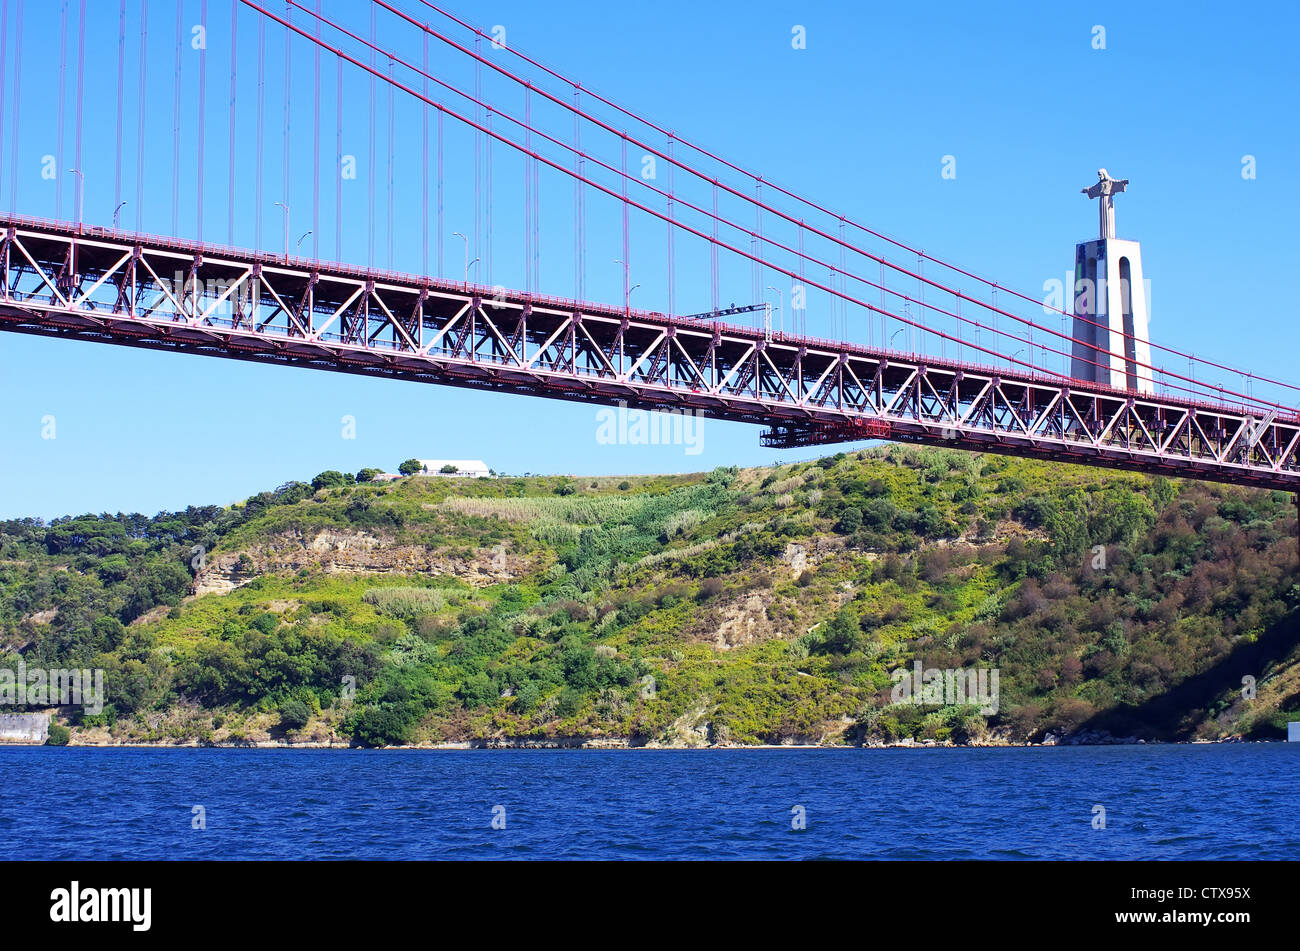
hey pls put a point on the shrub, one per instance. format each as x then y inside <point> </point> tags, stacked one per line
<point>711,588</point>
<point>294,714</point>
<point>850,521</point>
<point>266,623</point>
<point>58,735</point>
<point>569,703</point>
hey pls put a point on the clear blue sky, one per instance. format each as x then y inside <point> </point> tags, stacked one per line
<point>859,120</point>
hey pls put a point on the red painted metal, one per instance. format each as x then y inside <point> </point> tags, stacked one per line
<point>181,296</point>
<point>821,209</point>
<point>755,235</point>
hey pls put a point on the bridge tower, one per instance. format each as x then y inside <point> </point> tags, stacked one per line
<point>1111,311</point>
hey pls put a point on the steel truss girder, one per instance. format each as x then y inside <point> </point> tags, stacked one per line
<point>173,295</point>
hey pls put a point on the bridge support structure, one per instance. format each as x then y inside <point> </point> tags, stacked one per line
<point>183,297</point>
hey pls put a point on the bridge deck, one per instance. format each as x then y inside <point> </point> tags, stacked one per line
<point>165,294</point>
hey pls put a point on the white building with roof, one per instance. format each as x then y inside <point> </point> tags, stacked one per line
<point>462,468</point>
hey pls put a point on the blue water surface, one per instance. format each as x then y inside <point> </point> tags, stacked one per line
<point>1161,802</point>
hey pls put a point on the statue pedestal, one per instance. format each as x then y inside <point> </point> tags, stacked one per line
<point>1109,291</point>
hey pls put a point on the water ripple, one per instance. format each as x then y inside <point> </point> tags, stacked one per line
<point>1159,802</point>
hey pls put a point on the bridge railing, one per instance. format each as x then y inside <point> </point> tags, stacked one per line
<point>69,230</point>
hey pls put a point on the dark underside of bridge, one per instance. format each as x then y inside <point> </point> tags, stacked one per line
<point>787,427</point>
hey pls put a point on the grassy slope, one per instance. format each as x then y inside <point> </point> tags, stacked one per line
<point>764,605</point>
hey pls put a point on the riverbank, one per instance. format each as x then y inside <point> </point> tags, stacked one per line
<point>622,743</point>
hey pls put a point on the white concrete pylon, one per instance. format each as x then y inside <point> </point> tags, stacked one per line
<point>1112,339</point>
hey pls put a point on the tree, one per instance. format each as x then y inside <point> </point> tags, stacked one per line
<point>841,635</point>
<point>368,474</point>
<point>527,696</point>
<point>386,725</point>
<point>330,479</point>
<point>411,467</point>
<point>477,690</point>
<point>449,469</point>
<point>850,520</point>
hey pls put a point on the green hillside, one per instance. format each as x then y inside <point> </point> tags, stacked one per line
<point>734,607</point>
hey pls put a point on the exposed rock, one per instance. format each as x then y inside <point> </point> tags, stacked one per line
<point>796,556</point>
<point>358,552</point>
<point>743,623</point>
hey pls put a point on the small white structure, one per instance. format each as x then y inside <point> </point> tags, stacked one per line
<point>30,728</point>
<point>1293,731</point>
<point>462,468</point>
<point>1112,339</point>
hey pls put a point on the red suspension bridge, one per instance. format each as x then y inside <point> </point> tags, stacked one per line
<point>977,371</point>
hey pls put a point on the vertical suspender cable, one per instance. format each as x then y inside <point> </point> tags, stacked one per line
<point>201,119</point>
<point>286,152</point>
<point>424,167</point>
<point>176,121</point>
<point>627,252</point>
<point>58,148</point>
<point>4,62</point>
<point>338,161</point>
<point>486,270</point>
<point>141,111</point>
<point>392,169</point>
<point>794,312</point>
<point>920,268</point>
<point>884,328</point>
<point>17,100</point>
<point>579,227</point>
<point>844,283</point>
<point>14,126</point>
<point>230,130</point>
<point>261,119</point>
<point>370,170</point>
<point>121,102</point>
<point>81,92</point>
<point>438,179</point>
<point>537,227</point>
<point>4,44</point>
<point>315,149</point>
<point>478,152</point>
<point>528,191</point>
<point>672,299</point>
<point>994,294</point>
<point>713,251</point>
<point>756,243</point>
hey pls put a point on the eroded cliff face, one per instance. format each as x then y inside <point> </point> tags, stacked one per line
<point>343,551</point>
